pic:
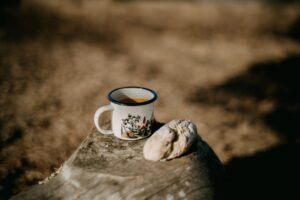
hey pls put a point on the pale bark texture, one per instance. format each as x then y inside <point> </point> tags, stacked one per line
<point>104,167</point>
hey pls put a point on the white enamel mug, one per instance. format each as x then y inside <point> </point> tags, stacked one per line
<point>130,120</point>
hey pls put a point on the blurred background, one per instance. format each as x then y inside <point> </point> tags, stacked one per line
<point>230,66</point>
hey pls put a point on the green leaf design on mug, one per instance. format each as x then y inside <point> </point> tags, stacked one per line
<point>135,127</point>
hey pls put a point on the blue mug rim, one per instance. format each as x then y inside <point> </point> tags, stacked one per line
<point>111,99</point>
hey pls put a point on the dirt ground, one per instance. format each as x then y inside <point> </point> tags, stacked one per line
<point>230,67</point>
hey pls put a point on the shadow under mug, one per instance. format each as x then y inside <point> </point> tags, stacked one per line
<point>131,120</point>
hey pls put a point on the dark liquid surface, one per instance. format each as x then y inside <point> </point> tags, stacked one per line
<point>132,100</point>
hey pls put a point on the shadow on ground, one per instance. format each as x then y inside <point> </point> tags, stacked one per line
<point>273,173</point>
<point>276,82</point>
<point>294,31</point>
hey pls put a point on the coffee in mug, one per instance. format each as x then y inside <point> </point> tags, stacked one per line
<point>132,100</point>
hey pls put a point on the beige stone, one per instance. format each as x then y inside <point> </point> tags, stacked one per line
<point>171,140</point>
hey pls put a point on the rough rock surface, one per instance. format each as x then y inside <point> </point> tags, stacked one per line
<point>170,141</point>
<point>104,167</point>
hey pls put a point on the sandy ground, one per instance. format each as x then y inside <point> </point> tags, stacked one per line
<point>228,67</point>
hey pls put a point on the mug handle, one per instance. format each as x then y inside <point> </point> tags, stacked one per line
<point>98,113</point>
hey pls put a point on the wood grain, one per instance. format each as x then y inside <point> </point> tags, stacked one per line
<point>104,167</point>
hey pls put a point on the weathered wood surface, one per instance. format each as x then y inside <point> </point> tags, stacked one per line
<point>104,167</point>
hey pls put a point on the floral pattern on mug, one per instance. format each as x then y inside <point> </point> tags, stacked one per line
<point>135,127</point>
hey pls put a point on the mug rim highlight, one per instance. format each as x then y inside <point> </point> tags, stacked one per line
<point>110,98</point>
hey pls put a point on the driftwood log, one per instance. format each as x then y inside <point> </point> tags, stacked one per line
<point>104,167</point>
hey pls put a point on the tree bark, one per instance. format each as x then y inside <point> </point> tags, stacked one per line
<point>104,167</point>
